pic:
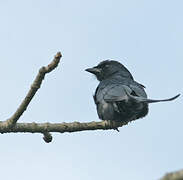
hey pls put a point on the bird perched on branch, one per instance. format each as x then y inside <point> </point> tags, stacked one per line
<point>118,96</point>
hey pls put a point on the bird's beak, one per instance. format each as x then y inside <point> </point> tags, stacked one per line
<point>93,70</point>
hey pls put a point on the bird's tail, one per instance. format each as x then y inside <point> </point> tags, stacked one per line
<point>146,100</point>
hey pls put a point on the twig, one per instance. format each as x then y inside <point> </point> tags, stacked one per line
<point>34,87</point>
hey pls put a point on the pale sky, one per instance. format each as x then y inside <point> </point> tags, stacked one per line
<point>146,36</point>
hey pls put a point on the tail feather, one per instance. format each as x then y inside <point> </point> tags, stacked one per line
<point>146,100</point>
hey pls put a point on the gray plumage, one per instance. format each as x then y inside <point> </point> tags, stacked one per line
<point>118,96</point>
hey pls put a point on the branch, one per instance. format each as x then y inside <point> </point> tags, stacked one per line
<point>34,87</point>
<point>59,127</point>
<point>178,175</point>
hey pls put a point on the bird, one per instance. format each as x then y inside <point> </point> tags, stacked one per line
<point>118,97</point>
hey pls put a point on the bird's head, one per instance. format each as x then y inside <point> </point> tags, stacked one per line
<point>108,68</point>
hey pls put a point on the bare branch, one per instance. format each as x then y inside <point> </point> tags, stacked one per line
<point>34,87</point>
<point>59,127</point>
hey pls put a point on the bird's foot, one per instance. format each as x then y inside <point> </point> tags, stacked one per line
<point>113,124</point>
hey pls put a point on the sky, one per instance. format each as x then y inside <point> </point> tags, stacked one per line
<point>145,36</point>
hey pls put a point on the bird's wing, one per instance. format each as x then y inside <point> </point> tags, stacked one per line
<point>138,90</point>
<point>116,92</point>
